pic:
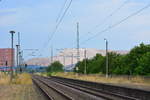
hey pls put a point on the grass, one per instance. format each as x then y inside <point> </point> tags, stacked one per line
<point>23,79</point>
<point>21,88</point>
<point>121,80</point>
<point>19,92</point>
<point>4,78</point>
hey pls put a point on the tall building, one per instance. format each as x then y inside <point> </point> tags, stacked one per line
<point>6,57</point>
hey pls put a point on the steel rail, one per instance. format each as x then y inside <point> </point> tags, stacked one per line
<point>96,92</point>
<point>74,93</point>
<point>85,90</point>
<point>43,90</point>
<point>65,96</point>
<point>125,92</point>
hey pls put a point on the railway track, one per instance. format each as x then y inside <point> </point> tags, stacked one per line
<point>57,88</point>
<point>51,92</point>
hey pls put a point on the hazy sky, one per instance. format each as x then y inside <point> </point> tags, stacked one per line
<point>36,20</point>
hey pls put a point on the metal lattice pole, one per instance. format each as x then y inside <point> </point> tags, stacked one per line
<point>78,52</point>
<point>85,68</point>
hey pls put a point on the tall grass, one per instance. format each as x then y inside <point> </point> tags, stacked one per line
<point>4,78</point>
<point>24,79</point>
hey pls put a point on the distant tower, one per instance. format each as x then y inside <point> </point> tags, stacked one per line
<point>78,51</point>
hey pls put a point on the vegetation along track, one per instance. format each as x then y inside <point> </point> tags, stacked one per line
<point>71,89</point>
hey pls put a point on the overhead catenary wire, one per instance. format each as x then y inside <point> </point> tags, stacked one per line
<point>118,23</point>
<point>107,17</point>
<point>59,22</point>
<point>61,10</point>
<point>57,25</point>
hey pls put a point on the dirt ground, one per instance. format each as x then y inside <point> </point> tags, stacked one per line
<point>20,92</point>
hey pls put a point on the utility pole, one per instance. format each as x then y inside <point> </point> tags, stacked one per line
<point>20,70</point>
<point>17,56</point>
<point>85,68</point>
<point>64,59</point>
<point>107,66</point>
<point>51,58</point>
<point>6,64</point>
<point>78,52</point>
<point>51,54</point>
<point>72,59</point>
<point>12,54</point>
<point>21,61</point>
<point>63,55</point>
<point>19,53</point>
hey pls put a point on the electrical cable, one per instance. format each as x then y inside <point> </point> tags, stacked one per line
<point>108,17</point>
<point>57,25</point>
<point>118,23</point>
<point>62,8</point>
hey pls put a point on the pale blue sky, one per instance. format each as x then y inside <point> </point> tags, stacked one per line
<point>36,19</point>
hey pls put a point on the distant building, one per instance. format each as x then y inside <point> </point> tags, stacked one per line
<point>69,55</point>
<point>6,57</point>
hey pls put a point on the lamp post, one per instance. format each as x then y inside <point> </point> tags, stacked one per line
<point>12,54</point>
<point>106,58</point>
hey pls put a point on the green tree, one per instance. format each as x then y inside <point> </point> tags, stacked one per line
<point>94,65</point>
<point>55,67</point>
<point>144,65</point>
<point>97,65</point>
<point>136,62</point>
<point>134,56</point>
